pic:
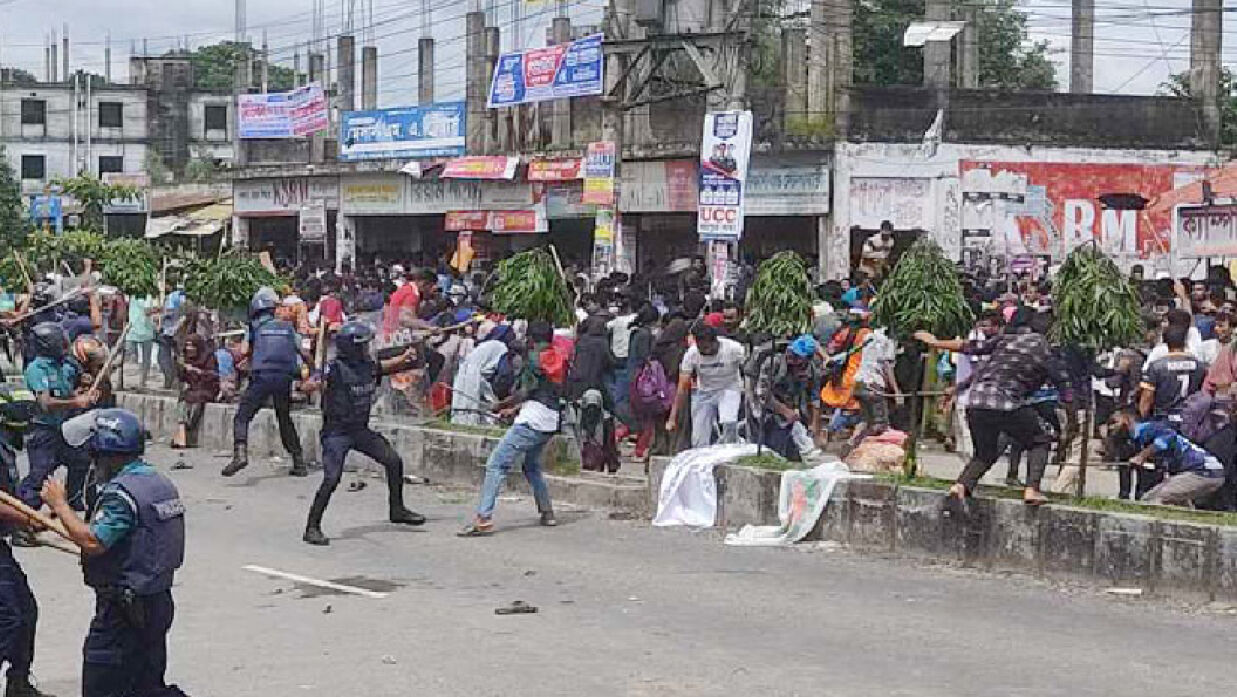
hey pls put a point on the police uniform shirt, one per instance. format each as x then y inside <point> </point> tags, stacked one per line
<point>58,378</point>
<point>115,515</point>
<point>1173,378</point>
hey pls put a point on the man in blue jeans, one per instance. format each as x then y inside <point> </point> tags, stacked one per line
<point>539,405</point>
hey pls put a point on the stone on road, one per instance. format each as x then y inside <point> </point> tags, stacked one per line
<point>624,609</point>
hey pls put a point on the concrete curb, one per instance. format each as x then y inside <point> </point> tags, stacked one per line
<point>443,456</point>
<point>1059,543</point>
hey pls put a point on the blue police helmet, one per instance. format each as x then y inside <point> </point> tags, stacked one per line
<point>117,432</point>
<point>352,338</point>
<point>50,340</point>
<point>804,346</point>
<point>264,300</point>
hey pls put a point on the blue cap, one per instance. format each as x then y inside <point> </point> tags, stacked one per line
<point>804,346</point>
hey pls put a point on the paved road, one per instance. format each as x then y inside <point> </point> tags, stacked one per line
<point>625,610</point>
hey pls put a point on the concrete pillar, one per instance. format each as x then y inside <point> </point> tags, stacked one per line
<point>794,60</point>
<point>317,65</point>
<point>425,71</point>
<point>475,85</point>
<point>369,77</point>
<point>1206,32</point>
<point>1082,48</point>
<point>317,73</point>
<point>841,51</point>
<point>346,60</point>
<point>55,63</point>
<point>968,50</point>
<point>937,55</point>
<point>497,120</point>
<point>65,57</point>
<point>560,128</point>
<point>818,40</point>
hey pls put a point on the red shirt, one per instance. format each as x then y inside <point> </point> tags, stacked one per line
<point>331,310</point>
<point>406,297</point>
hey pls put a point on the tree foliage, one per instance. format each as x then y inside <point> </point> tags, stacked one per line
<point>923,294</point>
<point>1097,307</point>
<point>214,68</point>
<point>93,194</point>
<point>13,222</point>
<point>1179,86</point>
<point>18,76</point>
<point>1007,59</point>
<point>780,299</point>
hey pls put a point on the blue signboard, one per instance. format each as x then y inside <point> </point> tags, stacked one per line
<point>554,72</point>
<point>48,208</point>
<point>436,130</point>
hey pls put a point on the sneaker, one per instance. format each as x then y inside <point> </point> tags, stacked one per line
<point>548,520</point>
<point>403,516</point>
<point>315,537</point>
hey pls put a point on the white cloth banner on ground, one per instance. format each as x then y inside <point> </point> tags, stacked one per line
<point>801,503</point>
<point>688,490</point>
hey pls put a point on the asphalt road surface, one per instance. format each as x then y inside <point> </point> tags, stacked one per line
<point>624,610</point>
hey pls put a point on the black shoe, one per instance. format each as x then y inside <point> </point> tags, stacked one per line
<point>240,460</point>
<point>403,516</point>
<point>298,467</point>
<point>22,688</point>
<point>548,520</point>
<point>314,536</point>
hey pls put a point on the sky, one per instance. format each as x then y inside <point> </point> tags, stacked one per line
<point>1138,42</point>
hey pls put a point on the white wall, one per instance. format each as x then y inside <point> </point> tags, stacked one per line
<point>915,188</point>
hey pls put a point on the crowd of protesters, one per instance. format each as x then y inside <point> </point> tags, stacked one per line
<point>655,364</point>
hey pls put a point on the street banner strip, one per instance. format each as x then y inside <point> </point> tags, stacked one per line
<point>599,174</point>
<point>554,72</point>
<point>294,114</point>
<point>436,130</point>
<point>499,222</point>
<point>481,167</point>
<point>724,157</point>
<point>554,169</point>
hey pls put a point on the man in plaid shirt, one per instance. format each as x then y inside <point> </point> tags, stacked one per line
<point>1020,361</point>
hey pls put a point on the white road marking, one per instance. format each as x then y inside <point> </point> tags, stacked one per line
<point>314,582</point>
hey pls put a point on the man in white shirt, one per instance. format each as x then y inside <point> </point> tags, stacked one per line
<point>716,365</point>
<point>1193,339</point>
<point>1209,350</point>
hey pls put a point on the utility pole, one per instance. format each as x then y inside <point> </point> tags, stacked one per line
<point>266,60</point>
<point>107,59</point>
<point>1082,48</point>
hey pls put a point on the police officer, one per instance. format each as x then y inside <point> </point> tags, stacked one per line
<point>52,377</point>
<point>274,354</point>
<point>19,613</point>
<point>351,379</point>
<point>131,550</point>
<point>40,298</point>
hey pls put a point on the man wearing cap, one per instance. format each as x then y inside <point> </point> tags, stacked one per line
<point>131,549</point>
<point>789,403</point>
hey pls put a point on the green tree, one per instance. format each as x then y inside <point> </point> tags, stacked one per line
<point>1007,59</point>
<point>18,76</point>
<point>1179,86</point>
<point>93,194</point>
<point>13,222</point>
<point>214,68</point>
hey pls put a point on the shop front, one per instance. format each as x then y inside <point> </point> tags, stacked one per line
<point>657,203</point>
<point>786,207</point>
<point>271,213</point>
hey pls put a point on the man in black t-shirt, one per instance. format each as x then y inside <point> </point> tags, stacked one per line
<point>1167,382</point>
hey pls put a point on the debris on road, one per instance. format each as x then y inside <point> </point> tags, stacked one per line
<point>518,607</point>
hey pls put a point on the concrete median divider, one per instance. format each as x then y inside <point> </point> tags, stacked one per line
<point>444,456</point>
<point>1055,542</point>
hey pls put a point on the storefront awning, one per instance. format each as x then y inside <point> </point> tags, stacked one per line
<point>201,222</point>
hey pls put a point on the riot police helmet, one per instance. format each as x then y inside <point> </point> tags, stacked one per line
<point>353,339</point>
<point>264,300</point>
<point>49,340</point>
<point>117,432</point>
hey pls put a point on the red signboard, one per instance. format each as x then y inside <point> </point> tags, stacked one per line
<point>1054,206</point>
<point>554,169</point>
<point>491,221</point>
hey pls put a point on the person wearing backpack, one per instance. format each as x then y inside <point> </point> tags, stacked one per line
<point>649,391</point>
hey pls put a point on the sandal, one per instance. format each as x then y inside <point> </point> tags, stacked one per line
<point>477,528</point>
<point>1033,498</point>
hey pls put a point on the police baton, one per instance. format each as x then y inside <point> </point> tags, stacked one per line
<point>30,313</point>
<point>36,517</point>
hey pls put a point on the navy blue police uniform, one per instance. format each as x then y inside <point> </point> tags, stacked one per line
<point>352,379</point>
<point>19,612</point>
<point>273,367</point>
<point>138,518</point>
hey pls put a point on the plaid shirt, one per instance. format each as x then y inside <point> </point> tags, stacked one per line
<point>1018,365</point>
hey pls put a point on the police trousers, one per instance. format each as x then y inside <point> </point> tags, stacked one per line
<point>19,613</point>
<point>335,448</point>
<point>124,658</point>
<point>276,387</point>
<point>46,450</point>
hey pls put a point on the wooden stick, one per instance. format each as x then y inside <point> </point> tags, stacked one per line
<point>21,262</point>
<point>30,313</point>
<point>116,349</point>
<point>18,505</point>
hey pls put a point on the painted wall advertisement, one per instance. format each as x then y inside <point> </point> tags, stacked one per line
<point>1206,231</point>
<point>436,130</point>
<point>283,196</point>
<point>1048,208</point>
<point>292,114</point>
<point>554,72</point>
<point>599,174</point>
<point>724,154</point>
